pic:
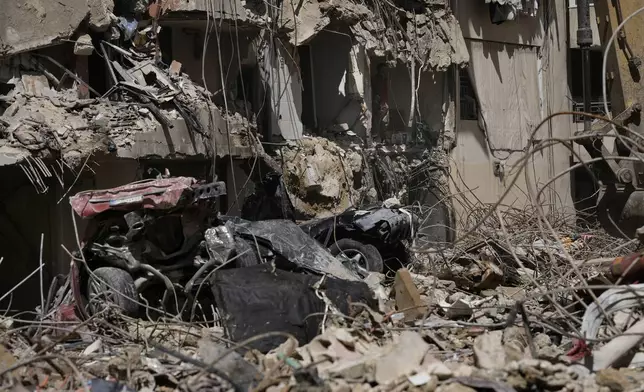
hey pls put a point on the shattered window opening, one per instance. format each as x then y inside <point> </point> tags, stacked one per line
<point>468,105</point>
<point>577,85</point>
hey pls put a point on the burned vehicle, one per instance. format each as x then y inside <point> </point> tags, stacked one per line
<point>368,237</point>
<point>140,235</point>
<point>154,244</point>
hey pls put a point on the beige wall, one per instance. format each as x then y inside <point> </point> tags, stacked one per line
<point>473,163</point>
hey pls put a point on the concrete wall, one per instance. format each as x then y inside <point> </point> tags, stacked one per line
<point>473,163</point>
<point>283,76</point>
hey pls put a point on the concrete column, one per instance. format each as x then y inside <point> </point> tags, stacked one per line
<point>358,87</point>
<point>285,85</point>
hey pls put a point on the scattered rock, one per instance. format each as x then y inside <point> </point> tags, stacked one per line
<point>617,380</point>
<point>84,46</point>
<point>494,349</point>
<point>389,367</point>
<point>35,84</point>
<point>454,387</point>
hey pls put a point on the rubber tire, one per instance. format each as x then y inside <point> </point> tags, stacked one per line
<point>118,280</point>
<point>374,262</point>
<point>248,256</point>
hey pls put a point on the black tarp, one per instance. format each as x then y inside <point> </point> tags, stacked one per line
<point>262,299</point>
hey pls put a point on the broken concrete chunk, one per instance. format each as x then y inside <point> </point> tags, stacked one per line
<point>232,363</point>
<point>101,120</point>
<point>460,308</point>
<point>100,14</point>
<point>488,350</point>
<point>175,68</point>
<point>420,379</point>
<point>96,346</point>
<point>408,298</point>
<point>29,138</point>
<point>84,46</point>
<point>495,349</point>
<point>514,343</point>
<point>30,25</point>
<point>492,277</point>
<point>617,380</point>
<point>286,349</point>
<point>352,369</point>
<point>436,368</point>
<point>35,84</point>
<point>412,347</point>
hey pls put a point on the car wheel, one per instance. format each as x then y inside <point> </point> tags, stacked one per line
<point>112,287</point>
<point>246,254</point>
<point>367,256</point>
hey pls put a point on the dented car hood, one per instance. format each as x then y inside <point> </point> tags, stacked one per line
<point>288,239</point>
<point>164,193</point>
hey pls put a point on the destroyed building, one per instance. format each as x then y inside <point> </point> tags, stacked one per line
<point>321,195</point>
<point>356,102</point>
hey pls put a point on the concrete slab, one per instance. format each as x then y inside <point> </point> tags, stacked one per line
<point>28,25</point>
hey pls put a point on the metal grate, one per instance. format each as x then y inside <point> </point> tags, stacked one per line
<point>596,107</point>
<point>468,105</point>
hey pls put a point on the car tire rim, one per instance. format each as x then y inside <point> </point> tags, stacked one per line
<point>359,264</point>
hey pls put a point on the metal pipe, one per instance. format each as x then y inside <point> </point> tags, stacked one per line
<point>585,40</point>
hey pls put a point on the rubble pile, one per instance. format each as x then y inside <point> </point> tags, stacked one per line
<point>51,123</point>
<point>489,315</point>
<point>422,31</point>
<point>44,120</point>
<point>324,179</point>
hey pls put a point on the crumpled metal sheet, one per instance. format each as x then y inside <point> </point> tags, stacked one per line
<point>290,241</point>
<point>148,194</point>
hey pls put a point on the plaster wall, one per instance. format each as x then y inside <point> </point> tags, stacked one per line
<point>483,174</point>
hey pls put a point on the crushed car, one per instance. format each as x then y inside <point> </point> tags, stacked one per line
<point>368,236</point>
<point>162,239</point>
